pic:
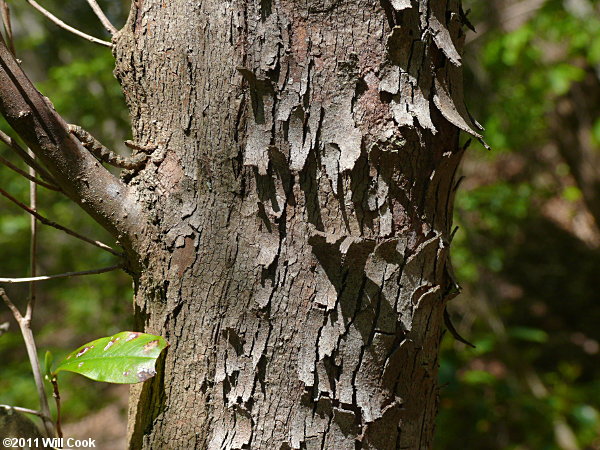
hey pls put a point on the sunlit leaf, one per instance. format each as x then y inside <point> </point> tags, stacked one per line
<point>127,357</point>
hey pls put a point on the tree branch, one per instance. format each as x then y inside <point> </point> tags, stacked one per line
<point>61,275</point>
<point>63,25</point>
<point>52,224</point>
<point>96,8</point>
<point>75,170</point>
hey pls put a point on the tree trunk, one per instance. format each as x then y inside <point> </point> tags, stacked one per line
<point>295,227</point>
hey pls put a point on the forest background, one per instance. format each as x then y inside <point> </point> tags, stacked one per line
<point>526,253</point>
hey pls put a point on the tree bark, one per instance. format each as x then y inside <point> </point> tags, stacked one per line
<point>296,217</point>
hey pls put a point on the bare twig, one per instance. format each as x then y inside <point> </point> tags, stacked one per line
<point>63,25</point>
<point>56,396</point>
<point>11,166</point>
<point>52,224</point>
<point>96,8</point>
<point>15,311</point>
<point>25,326</point>
<point>14,146</point>
<point>7,25</point>
<point>33,243</point>
<point>61,275</point>
<point>25,410</point>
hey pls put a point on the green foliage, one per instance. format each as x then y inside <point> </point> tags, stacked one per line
<point>127,357</point>
<point>489,214</point>
<point>527,68</point>
<point>100,98</point>
<point>77,76</point>
<point>530,283</point>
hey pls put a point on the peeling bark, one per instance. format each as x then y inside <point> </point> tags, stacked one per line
<point>298,207</point>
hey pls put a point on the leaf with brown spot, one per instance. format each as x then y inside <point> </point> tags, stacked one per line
<point>127,357</point>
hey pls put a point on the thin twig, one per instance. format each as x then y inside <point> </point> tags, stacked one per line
<point>14,146</point>
<point>63,25</point>
<point>52,224</point>
<point>56,395</point>
<point>25,326</point>
<point>15,311</point>
<point>61,275</point>
<point>11,166</point>
<point>33,243</point>
<point>7,26</point>
<point>25,410</point>
<point>96,8</point>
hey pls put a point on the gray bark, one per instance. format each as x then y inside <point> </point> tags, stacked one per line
<point>302,201</point>
<point>295,218</point>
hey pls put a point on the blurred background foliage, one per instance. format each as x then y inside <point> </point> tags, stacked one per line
<point>526,252</point>
<point>77,76</point>
<point>527,249</point>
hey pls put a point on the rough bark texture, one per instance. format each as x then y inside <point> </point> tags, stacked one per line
<point>298,211</point>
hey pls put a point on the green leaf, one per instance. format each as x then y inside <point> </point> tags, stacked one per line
<point>127,357</point>
<point>48,358</point>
